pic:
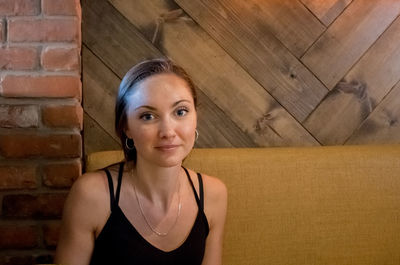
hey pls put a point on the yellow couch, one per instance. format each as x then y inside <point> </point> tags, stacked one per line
<point>317,205</point>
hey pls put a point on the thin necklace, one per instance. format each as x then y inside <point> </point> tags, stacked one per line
<point>158,233</point>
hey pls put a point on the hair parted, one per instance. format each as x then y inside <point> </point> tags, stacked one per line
<point>131,79</point>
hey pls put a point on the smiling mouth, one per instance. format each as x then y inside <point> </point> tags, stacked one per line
<point>166,147</point>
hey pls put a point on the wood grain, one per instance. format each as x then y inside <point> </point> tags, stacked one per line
<point>348,38</point>
<point>100,90</point>
<point>326,10</point>
<point>289,21</point>
<point>383,125</point>
<point>356,96</point>
<point>112,38</point>
<point>244,58</point>
<point>231,88</point>
<point>148,13</point>
<point>227,135</point>
<point>215,129</point>
<point>241,98</point>
<point>95,138</point>
<point>267,61</point>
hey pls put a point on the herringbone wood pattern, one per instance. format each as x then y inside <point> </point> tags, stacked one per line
<point>268,73</point>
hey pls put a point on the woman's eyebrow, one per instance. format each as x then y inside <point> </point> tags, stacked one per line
<point>153,108</point>
<point>179,101</point>
<point>146,106</point>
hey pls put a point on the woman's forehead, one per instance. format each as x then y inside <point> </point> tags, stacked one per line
<point>160,88</point>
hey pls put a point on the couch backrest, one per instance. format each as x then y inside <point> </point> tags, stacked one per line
<point>317,205</point>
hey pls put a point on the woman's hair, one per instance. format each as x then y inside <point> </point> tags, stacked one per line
<point>131,79</point>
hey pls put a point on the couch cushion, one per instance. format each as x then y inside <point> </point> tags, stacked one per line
<point>317,205</point>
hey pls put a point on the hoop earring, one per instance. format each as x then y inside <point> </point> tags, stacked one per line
<point>127,145</point>
<point>197,135</point>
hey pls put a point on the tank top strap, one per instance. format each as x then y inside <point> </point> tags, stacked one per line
<point>120,173</point>
<point>201,190</point>
<point>114,199</point>
<point>111,188</point>
<point>200,201</point>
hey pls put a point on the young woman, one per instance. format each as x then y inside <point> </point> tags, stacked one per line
<point>149,209</point>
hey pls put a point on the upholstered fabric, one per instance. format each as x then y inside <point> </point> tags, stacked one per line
<point>316,205</point>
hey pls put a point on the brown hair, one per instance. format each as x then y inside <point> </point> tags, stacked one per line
<point>134,76</point>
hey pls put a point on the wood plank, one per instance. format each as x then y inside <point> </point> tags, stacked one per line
<point>216,129</point>
<point>289,21</point>
<point>348,38</point>
<point>326,10</point>
<point>100,86</point>
<point>151,13</point>
<point>383,125</point>
<point>95,138</point>
<point>120,45</point>
<point>225,82</point>
<point>231,88</point>
<point>112,38</point>
<point>266,60</point>
<point>355,97</point>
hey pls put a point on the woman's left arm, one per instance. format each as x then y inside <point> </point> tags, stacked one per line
<point>215,206</point>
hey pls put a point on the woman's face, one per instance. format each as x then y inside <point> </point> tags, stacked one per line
<point>162,120</point>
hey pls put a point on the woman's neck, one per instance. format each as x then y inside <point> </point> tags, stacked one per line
<point>155,183</point>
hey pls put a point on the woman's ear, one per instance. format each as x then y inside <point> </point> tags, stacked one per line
<point>127,133</point>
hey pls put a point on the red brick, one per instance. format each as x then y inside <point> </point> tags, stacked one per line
<point>41,86</point>
<point>43,206</point>
<point>60,59</point>
<point>51,234</point>
<point>19,7</point>
<point>33,145</point>
<point>19,116</point>
<point>60,7</point>
<point>41,30</point>
<point>18,58</point>
<point>61,175</point>
<point>63,116</point>
<point>18,177</point>
<point>20,237</point>
<point>2,37</point>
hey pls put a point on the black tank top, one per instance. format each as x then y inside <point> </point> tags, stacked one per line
<point>120,243</point>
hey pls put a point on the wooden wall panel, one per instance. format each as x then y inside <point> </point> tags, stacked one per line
<point>258,67</point>
<point>100,90</point>
<point>326,10</point>
<point>287,20</point>
<point>346,40</point>
<point>360,91</point>
<point>383,125</point>
<point>112,38</point>
<point>221,78</point>
<point>222,132</point>
<point>267,61</point>
<point>96,138</point>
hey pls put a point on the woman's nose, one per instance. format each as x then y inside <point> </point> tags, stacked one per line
<point>167,129</point>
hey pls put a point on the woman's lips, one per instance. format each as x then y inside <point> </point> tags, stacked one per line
<point>167,147</point>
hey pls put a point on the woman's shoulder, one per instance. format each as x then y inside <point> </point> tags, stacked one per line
<point>215,199</point>
<point>214,188</point>
<point>89,188</point>
<point>93,187</point>
<point>92,182</point>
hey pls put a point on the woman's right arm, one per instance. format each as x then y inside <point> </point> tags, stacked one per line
<point>83,213</point>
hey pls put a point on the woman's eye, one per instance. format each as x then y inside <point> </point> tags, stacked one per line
<point>146,116</point>
<point>181,112</point>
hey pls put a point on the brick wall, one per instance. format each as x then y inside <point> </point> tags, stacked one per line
<point>40,123</point>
